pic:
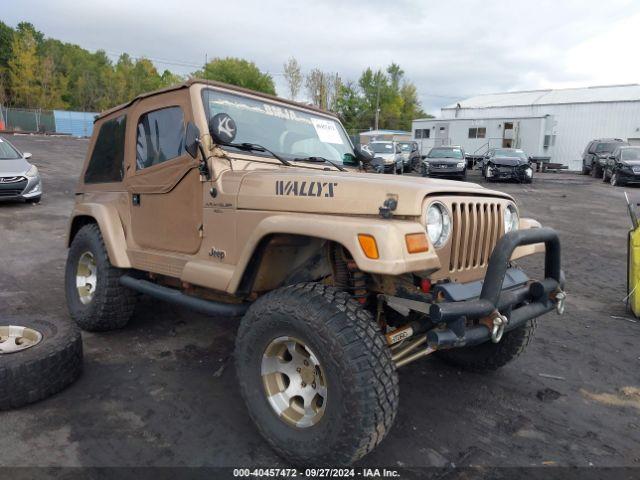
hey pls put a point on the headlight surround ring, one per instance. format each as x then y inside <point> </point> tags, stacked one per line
<point>511,218</point>
<point>438,224</point>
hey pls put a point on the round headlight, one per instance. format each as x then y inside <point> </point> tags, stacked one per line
<point>438,224</point>
<point>511,219</point>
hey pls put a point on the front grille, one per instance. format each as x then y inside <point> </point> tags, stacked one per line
<point>13,188</point>
<point>476,228</point>
<point>11,179</point>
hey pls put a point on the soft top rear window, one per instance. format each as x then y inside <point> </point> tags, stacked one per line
<point>107,159</point>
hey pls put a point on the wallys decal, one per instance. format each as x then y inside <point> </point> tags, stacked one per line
<point>305,188</point>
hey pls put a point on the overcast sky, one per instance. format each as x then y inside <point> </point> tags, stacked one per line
<point>449,49</point>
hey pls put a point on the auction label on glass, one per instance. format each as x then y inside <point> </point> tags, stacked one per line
<point>327,131</point>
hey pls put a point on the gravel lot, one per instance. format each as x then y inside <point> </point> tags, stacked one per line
<point>162,392</point>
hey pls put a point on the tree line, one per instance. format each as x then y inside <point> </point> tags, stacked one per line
<point>39,72</point>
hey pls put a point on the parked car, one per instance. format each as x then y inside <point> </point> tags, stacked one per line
<point>507,164</point>
<point>445,162</point>
<point>623,166</point>
<point>389,155</point>
<point>596,154</point>
<point>19,180</point>
<point>410,156</point>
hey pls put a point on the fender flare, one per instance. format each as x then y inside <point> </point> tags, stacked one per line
<point>390,237</point>
<point>108,219</point>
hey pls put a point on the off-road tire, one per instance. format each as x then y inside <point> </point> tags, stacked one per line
<point>595,170</point>
<point>605,178</point>
<point>44,369</point>
<point>362,383</point>
<point>112,304</point>
<point>489,356</point>
<point>585,170</point>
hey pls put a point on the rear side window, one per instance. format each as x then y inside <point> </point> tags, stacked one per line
<point>107,159</point>
<point>160,137</point>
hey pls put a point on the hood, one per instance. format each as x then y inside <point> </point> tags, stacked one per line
<point>631,163</point>
<point>351,193</point>
<point>509,161</point>
<point>448,161</point>
<point>14,167</point>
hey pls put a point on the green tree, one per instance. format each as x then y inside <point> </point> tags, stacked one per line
<point>293,76</point>
<point>23,70</point>
<point>237,71</point>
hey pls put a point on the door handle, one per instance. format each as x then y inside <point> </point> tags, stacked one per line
<point>135,199</point>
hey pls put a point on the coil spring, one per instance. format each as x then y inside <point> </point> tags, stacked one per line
<point>358,283</point>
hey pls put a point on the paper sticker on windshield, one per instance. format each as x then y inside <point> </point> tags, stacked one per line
<point>327,131</point>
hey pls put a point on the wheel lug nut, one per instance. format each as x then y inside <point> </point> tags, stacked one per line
<point>306,363</point>
<point>313,385</point>
<point>298,369</point>
<point>304,384</point>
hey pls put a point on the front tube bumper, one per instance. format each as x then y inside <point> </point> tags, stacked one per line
<point>515,306</point>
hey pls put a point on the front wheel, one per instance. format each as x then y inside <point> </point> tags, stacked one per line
<point>596,171</point>
<point>615,180</point>
<point>605,177</point>
<point>490,356</point>
<point>316,375</point>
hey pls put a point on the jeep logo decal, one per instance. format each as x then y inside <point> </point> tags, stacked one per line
<point>305,189</point>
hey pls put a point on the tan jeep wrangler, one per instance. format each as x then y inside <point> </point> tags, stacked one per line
<point>235,203</point>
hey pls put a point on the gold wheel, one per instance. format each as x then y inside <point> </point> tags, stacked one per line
<point>294,382</point>
<point>86,277</point>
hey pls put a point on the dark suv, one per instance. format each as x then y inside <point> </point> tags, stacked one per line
<point>623,166</point>
<point>596,154</point>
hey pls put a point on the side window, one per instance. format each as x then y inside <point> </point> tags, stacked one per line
<point>426,133</point>
<point>106,164</point>
<point>160,137</point>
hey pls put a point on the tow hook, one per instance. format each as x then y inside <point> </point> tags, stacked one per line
<point>497,330</point>
<point>560,298</point>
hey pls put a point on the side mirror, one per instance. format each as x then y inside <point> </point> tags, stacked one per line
<point>222,129</point>
<point>26,155</point>
<point>192,139</point>
<point>364,155</point>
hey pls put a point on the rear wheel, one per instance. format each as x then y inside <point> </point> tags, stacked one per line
<point>490,356</point>
<point>596,171</point>
<point>316,375</point>
<point>95,298</point>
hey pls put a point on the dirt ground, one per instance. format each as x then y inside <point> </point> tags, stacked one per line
<point>162,392</point>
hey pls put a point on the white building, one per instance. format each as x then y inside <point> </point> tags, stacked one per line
<point>547,123</point>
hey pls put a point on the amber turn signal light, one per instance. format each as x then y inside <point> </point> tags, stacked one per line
<point>416,242</point>
<point>368,245</point>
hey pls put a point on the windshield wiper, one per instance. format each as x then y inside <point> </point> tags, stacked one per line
<point>253,147</point>
<point>320,160</point>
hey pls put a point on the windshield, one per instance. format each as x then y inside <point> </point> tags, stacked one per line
<point>630,154</point>
<point>380,147</point>
<point>288,132</point>
<point>445,153</point>
<point>606,147</point>
<point>405,147</point>
<point>500,152</point>
<point>7,152</point>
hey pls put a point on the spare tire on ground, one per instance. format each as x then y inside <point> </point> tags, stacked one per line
<point>38,358</point>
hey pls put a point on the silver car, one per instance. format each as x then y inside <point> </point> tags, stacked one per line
<point>19,180</point>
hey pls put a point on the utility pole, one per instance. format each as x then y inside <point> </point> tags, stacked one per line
<point>378,103</point>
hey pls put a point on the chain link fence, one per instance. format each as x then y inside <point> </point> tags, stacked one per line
<point>78,124</point>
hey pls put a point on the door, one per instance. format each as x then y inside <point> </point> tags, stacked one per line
<point>163,182</point>
<point>442,135</point>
